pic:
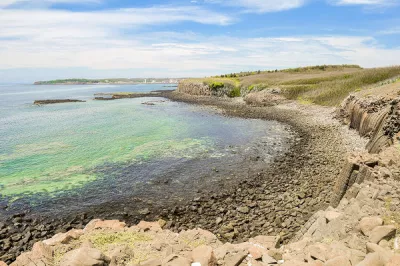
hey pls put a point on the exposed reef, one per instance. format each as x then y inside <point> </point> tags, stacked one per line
<point>127,95</point>
<point>54,101</point>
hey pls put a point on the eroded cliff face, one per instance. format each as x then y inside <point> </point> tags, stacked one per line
<point>377,118</point>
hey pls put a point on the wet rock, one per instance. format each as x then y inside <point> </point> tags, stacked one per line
<point>144,211</point>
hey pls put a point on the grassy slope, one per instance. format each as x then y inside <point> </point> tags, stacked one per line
<point>325,85</point>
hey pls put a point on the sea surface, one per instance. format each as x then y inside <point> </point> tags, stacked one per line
<point>70,156</point>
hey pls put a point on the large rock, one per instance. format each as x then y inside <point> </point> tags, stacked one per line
<point>63,238</point>
<point>394,261</point>
<point>267,242</point>
<point>104,224</point>
<point>175,260</point>
<point>154,226</point>
<point>338,261</point>
<point>151,262</point>
<point>332,215</point>
<point>235,259</point>
<point>41,254</point>
<point>204,255</point>
<point>372,259</point>
<point>317,252</point>
<point>84,256</point>
<point>367,224</point>
<point>382,232</point>
<point>383,253</point>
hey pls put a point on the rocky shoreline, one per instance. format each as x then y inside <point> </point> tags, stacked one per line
<point>277,200</point>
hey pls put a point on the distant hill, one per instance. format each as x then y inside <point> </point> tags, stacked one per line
<point>108,81</point>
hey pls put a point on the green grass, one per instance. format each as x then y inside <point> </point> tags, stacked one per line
<point>325,85</point>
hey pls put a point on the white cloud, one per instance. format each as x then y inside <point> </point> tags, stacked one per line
<point>366,2</point>
<point>261,6</point>
<point>53,25</point>
<point>115,40</point>
<point>41,3</point>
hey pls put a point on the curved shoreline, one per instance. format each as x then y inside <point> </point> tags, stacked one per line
<point>237,213</point>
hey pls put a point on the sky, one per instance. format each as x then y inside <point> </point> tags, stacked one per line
<point>49,39</point>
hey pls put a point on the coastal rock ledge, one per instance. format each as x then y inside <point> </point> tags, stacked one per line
<point>362,230</point>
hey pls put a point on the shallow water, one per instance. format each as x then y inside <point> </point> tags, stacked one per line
<point>99,151</point>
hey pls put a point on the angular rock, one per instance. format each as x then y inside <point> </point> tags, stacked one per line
<point>275,253</point>
<point>175,260</point>
<point>84,256</point>
<point>382,232</point>
<point>383,253</point>
<point>243,209</point>
<point>372,259</point>
<point>255,252</point>
<point>154,226</point>
<point>268,259</point>
<point>317,252</point>
<point>394,261</point>
<point>151,262</point>
<point>235,259</point>
<point>204,255</point>
<point>342,261</point>
<point>267,242</point>
<point>332,215</point>
<point>63,238</point>
<point>104,224</point>
<point>41,254</point>
<point>367,224</point>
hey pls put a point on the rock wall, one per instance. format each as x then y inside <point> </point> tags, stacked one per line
<point>377,118</point>
<point>374,117</point>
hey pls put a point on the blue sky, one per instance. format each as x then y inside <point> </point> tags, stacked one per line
<point>46,39</point>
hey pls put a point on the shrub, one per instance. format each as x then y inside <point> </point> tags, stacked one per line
<point>215,86</point>
<point>235,92</point>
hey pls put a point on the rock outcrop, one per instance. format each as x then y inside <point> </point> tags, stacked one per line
<point>54,101</point>
<point>375,117</point>
<point>362,230</point>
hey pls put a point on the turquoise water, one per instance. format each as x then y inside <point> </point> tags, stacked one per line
<point>52,149</point>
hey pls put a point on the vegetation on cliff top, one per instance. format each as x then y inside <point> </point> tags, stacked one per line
<point>324,85</point>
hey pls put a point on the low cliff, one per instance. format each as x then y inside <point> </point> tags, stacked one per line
<point>375,117</point>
